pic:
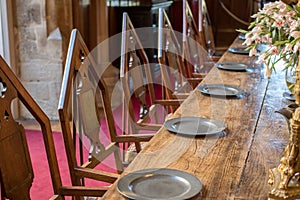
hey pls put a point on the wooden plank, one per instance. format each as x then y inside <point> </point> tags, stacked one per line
<point>270,139</point>
<point>218,160</point>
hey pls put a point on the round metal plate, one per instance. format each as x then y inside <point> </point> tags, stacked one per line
<point>242,36</point>
<point>238,50</point>
<point>159,184</point>
<point>232,66</point>
<point>193,126</point>
<point>289,96</point>
<point>220,90</point>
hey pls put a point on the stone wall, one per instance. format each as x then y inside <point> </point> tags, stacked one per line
<point>40,58</point>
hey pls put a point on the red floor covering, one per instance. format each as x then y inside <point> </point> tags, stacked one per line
<point>42,186</point>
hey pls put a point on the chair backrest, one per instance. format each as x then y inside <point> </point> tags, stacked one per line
<point>191,28</point>
<point>197,45</point>
<point>207,30</point>
<point>83,90</point>
<point>16,173</point>
<point>136,78</point>
<point>170,57</point>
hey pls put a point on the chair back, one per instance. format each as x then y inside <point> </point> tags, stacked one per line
<point>136,79</point>
<point>195,49</point>
<point>16,173</point>
<point>202,34</point>
<point>207,30</point>
<point>170,57</point>
<point>83,100</point>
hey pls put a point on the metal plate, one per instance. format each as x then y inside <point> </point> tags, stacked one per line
<point>232,66</point>
<point>238,50</point>
<point>193,126</point>
<point>242,36</point>
<point>159,184</point>
<point>221,90</point>
<point>289,96</point>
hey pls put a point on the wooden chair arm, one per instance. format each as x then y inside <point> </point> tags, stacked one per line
<point>194,81</point>
<point>147,126</point>
<point>96,174</point>
<point>171,102</point>
<point>216,58</point>
<point>135,137</point>
<point>83,191</point>
<point>199,75</point>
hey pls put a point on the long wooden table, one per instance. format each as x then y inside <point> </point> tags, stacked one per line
<point>235,165</point>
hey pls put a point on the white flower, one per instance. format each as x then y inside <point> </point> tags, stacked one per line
<point>252,52</point>
<point>297,47</point>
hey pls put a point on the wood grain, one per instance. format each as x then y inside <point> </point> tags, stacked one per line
<point>234,165</point>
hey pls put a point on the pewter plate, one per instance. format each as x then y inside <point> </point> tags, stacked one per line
<point>193,126</point>
<point>159,184</point>
<point>232,66</point>
<point>238,50</point>
<point>242,36</point>
<point>289,96</point>
<point>221,90</point>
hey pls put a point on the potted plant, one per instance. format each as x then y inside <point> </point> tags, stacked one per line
<point>277,26</point>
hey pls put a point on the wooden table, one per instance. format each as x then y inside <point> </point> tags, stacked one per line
<point>235,165</point>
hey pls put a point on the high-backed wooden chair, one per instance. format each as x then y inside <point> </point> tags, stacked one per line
<point>172,61</point>
<point>137,81</point>
<point>81,92</point>
<point>202,35</point>
<point>16,172</point>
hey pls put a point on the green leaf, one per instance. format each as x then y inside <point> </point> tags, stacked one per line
<point>297,8</point>
<point>252,24</point>
<point>241,31</point>
<point>279,43</point>
<point>274,35</point>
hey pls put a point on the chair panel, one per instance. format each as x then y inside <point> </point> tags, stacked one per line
<point>199,55</point>
<point>83,89</point>
<point>136,78</point>
<point>16,173</point>
<point>137,81</point>
<point>171,58</point>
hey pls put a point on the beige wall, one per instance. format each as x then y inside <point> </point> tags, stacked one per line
<point>39,58</point>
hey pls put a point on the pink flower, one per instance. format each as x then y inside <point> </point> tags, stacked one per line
<point>295,34</point>
<point>262,57</point>
<point>274,50</point>
<point>267,39</point>
<point>278,26</point>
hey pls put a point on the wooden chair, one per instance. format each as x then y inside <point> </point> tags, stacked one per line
<point>80,119</point>
<point>198,44</point>
<point>137,81</point>
<point>173,70</point>
<point>202,35</point>
<point>16,172</point>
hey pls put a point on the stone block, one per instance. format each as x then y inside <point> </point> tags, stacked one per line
<point>28,13</point>
<point>38,90</point>
<point>40,72</point>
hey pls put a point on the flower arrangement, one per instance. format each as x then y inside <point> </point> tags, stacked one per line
<point>277,26</point>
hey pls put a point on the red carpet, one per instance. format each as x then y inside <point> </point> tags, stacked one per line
<point>42,186</point>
